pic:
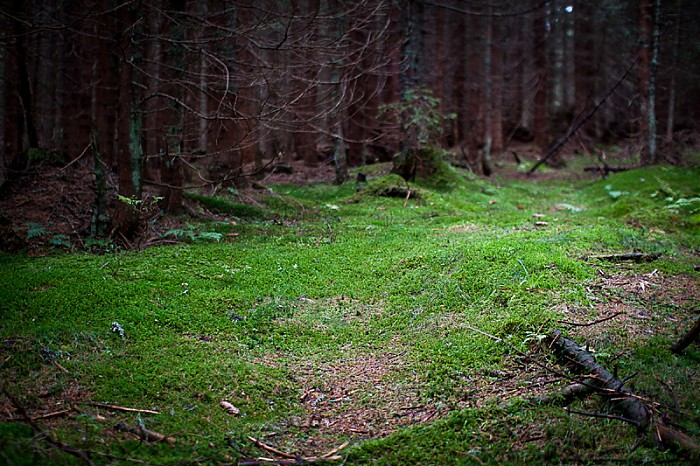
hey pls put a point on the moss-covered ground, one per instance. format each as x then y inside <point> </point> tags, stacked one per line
<point>331,313</point>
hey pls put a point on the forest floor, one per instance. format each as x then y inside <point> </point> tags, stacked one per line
<point>330,314</point>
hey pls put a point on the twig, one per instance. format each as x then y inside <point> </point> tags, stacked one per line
<point>42,416</point>
<point>590,323</point>
<point>687,339</point>
<point>271,449</point>
<point>144,434</point>
<point>575,126</point>
<point>63,369</point>
<point>334,451</point>
<point>290,459</point>
<point>408,194</point>
<point>71,450</point>
<point>599,389</point>
<point>604,416</point>
<point>119,408</point>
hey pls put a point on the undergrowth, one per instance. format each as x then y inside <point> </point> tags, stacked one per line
<point>281,308</point>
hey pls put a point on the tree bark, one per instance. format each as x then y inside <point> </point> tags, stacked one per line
<point>540,129</point>
<point>687,339</point>
<point>644,60</point>
<point>632,408</point>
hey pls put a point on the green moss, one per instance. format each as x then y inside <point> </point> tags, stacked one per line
<point>319,284</point>
<point>219,205</point>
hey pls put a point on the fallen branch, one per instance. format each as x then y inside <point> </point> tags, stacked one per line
<point>565,396</point>
<point>590,323</point>
<point>583,361</point>
<point>576,125</point>
<point>288,458</point>
<point>119,408</point>
<point>64,447</point>
<point>632,408</point>
<point>631,256</point>
<point>271,449</point>
<point>601,415</point>
<point>144,434</point>
<point>687,339</point>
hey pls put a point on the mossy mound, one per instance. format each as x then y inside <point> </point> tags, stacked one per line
<point>391,185</point>
<point>221,206</point>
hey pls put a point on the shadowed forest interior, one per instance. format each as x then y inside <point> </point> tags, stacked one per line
<point>187,95</point>
<point>365,231</point>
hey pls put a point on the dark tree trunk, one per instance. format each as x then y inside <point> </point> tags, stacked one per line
<point>25,93</point>
<point>644,64</point>
<point>406,162</point>
<point>540,130</point>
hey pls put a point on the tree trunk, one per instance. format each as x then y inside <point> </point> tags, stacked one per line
<point>406,161</point>
<point>98,223</point>
<point>651,116</point>
<point>644,60</point>
<point>673,69</point>
<point>540,130</point>
<point>584,63</point>
<point>128,134</point>
<point>24,86</point>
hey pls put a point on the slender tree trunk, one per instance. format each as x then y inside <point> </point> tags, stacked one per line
<point>170,160</point>
<point>540,112</point>
<point>474,108</point>
<point>651,116</point>
<point>98,223</point>
<point>128,158</point>
<point>25,93</point>
<point>584,62</point>
<point>407,160</point>
<point>644,60</point>
<point>460,85</point>
<point>673,70</point>
<point>497,58</point>
<point>487,99</point>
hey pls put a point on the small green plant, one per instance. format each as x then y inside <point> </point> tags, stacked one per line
<point>192,235</point>
<point>685,206</point>
<point>144,205</point>
<point>34,230</point>
<point>60,240</point>
<point>180,233</point>
<point>419,115</point>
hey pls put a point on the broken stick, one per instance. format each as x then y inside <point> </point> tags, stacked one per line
<point>144,434</point>
<point>631,406</point>
<point>687,339</point>
<point>119,408</point>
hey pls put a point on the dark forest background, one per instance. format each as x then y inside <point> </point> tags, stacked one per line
<point>175,94</point>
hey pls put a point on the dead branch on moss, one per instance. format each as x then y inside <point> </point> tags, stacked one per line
<point>144,434</point>
<point>588,324</point>
<point>288,458</point>
<point>687,339</point>
<point>119,408</point>
<point>46,436</point>
<point>565,396</point>
<point>633,409</point>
